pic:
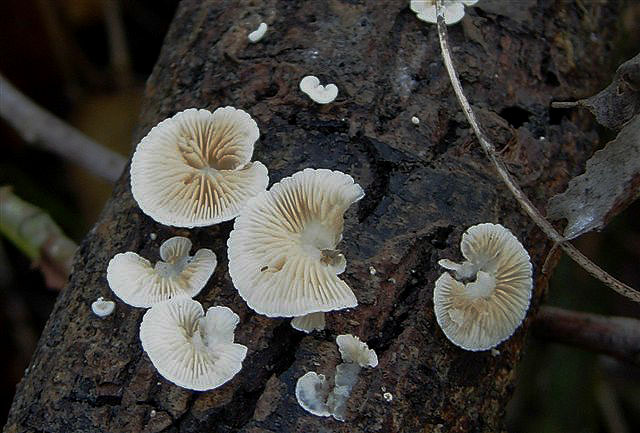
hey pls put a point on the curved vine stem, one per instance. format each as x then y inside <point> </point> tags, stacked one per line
<point>520,196</point>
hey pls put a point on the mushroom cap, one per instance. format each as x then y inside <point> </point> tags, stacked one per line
<point>312,391</point>
<point>480,314</point>
<point>453,10</point>
<point>194,169</point>
<point>134,280</point>
<point>355,351</point>
<point>282,256</point>
<point>191,349</point>
<point>309,322</point>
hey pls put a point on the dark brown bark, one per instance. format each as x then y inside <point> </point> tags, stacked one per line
<point>425,185</point>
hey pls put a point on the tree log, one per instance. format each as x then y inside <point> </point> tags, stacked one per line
<point>425,185</point>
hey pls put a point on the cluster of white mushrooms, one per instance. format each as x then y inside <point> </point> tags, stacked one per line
<point>195,169</point>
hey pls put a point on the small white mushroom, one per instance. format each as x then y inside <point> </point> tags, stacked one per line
<point>282,250</point>
<point>102,307</point>
<point>194,169</point>
<point>355,351</point>
<point>312,391</point>
<point>453,10</point>
<point>309,322</point>
<point>258,33</point>
<point>415,120</point>
<point>372,270</point>
<point>491,301</point>
<point>134,280</point>
<point>317,92</point>
<point>191,349</point>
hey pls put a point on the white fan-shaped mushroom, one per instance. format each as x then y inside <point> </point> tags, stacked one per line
<point>453,10</point>
<point>312,391</point>
<point>355,351</point>
<point>194,169</point>
<point>191,349</point>
<point>282,250</point>
<point>491,302</point>
<point>134,280</point>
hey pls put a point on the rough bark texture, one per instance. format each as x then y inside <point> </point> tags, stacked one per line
<point>425,185</point>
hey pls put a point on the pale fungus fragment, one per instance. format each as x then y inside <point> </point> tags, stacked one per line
<point>388,397</point>
<point>356,355</point>
<point>317,92</point>
<point>309,322</point>
<point>415,120</point>
<point>312,391</point>
<point>134,280</point>
<point>355,351</point>
<point>194,169</point>
<point>453,10</point>
<point>102,307</point>
<point>282,251</point>
<point>192,349</point>
<point>258,33</point>
<point>491,300</point>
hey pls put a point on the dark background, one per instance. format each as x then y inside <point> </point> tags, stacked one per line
<point>58,53</point>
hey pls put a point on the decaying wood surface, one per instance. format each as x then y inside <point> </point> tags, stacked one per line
<point>425,185</point>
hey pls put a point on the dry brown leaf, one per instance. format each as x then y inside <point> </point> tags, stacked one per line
<point>620,101</point>
<point>610,183</point>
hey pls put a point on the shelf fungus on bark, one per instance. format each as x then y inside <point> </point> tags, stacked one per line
<point>134,280</point>
<point>192,349</point>
<point>312,389</point>
<point>453,10</point>
<point>282,250</point>
<point>488,298</point>
<point>194,169</point>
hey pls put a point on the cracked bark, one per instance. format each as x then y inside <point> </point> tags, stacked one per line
<point>425,185</point>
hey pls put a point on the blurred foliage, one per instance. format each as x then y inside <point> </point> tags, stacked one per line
<point>58,53</point>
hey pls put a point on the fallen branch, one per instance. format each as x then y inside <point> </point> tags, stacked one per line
<point>519,195</point>
<point>618,337</point>
<point>37,126</point>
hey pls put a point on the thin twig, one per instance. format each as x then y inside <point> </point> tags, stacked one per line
<point>547,261</point>
<point>615,336</point>
<point>565,104</point>
<point>38,126</point>
<point>522,199</point>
